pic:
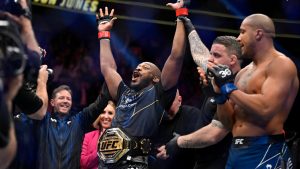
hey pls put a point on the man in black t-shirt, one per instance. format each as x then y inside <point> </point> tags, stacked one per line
<point>182,120</point>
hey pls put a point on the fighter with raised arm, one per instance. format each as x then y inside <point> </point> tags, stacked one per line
<point>254,108</point>
<point>199,51</point>
<point>227,51</point>
<point>257,109</point>
<point>141,106</point>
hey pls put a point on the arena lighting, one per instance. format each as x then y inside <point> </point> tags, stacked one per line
<point>237,11</point>
<point>128,56</point>
<point>90,6</point>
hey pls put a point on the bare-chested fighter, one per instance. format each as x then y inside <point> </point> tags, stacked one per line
<point>259,102</point>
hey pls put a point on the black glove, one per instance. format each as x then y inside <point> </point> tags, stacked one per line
<point>188,25</point>
<point>104,19</point>
<point>224,79</point>
<point>172,147</point>
<point>222,74</point>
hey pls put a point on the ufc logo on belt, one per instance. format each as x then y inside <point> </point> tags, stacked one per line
<point>239,141</point>
<point>110,145</point>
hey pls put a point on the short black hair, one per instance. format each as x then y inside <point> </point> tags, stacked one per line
<point>231,44</point>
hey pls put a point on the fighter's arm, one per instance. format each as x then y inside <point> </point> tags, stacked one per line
<point>275,90</point>
<point>107,63</point>
<point>172,68</point>
<point>204,137</point>
<point>209,134</point>
<point>199,51</point>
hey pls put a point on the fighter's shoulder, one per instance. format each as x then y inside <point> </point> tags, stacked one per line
<point>283,62</point>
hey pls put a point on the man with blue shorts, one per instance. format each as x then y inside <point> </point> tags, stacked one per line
<point>259,100</point>
<point>254,105</point>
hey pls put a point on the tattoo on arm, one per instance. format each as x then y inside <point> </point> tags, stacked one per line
<point>197,144</point>
<point>199,51</point>
<point>194,142</point>
<point>201,138</point>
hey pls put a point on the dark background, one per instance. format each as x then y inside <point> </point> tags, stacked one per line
<point>144,32</point>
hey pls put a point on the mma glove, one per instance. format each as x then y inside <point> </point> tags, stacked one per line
<point>172,147</point>
<point>220,98</point>
<point>223,77</point>
<point>102,20</point>
<point>189,27</point>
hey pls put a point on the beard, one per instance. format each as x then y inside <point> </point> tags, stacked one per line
<point>248,50</point>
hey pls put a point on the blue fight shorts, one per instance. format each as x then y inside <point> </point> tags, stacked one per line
<point>263,152</point>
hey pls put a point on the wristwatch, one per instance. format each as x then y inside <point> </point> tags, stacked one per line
<point>27,13</point>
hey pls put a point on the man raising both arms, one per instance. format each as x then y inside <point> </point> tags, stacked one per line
<point>141,106</point>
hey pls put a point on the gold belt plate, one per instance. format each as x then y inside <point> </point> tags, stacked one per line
<point>113,145</point>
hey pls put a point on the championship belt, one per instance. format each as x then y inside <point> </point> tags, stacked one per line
<point>115,144</point>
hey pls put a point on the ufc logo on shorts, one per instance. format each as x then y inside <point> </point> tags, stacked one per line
<point>239,141</point>
<point>225,73</point>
